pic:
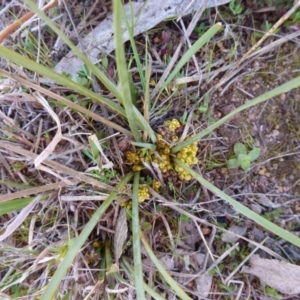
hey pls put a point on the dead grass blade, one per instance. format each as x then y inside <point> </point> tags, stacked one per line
<point>70,104</point>
<point>5,164</point>
<point>120,236</point>
<point>35,190</point>
<point>56,166</point>
<point>57,137</point>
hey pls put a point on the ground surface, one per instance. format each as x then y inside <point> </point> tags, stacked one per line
<point>271,187</point>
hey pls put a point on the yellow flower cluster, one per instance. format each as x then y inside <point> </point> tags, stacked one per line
<point>173,124</point>
<point>163,158</point>
<point>174,138</point>
<point>188,156</point>
<point>143,194</point>
<point>164,150</point>
<point>156,185</point>
<point>126,204</point>
<point>135,158</point>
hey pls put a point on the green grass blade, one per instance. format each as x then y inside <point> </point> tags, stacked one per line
<point>21,60</point>
<point>76,107</point>
<point>294,83</point>
<point>136,242</point>
<point>109,262</point>
<point>144,125</point>
<point>147,101</point>
<point>15,205</point>
<point>144,145</point>
<point>293,239</point>
<point>141,122</point>
<point>123,72</point>
<point>54,283</point>
<point>130,29</point>
<point>204,39</point>
<point>100,75</point>
<point>164,273</point>
<point>128,269</point>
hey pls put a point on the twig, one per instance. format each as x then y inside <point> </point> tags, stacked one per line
<point>12,27</point>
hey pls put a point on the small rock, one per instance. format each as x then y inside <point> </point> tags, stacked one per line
<point>292,251</point>
<point>168,262</point>
<point>231,237</point>
<point>275,133</point>
<point>282,97</point>
<point>256,208</point>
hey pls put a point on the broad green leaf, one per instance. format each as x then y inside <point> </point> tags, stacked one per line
<point>242,157</point>
<point>239,148</point>
<point>254,154</point>
<point>94,149</point>
<point>15,205</point>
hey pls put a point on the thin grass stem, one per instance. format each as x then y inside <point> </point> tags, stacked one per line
<point>165,275</point>
<point>123,71</point>
<point>136,242</point>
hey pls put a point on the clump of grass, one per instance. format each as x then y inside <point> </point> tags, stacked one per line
<point>169,152</point>
<point>162,155</point>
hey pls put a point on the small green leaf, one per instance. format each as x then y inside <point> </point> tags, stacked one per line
<point>239,148</point>
<point>244,161</point>
<point>254,154</point>
<point>82,81</point>
<point>88,154</point>
<point>94,149</point>
<point>232,163</point>
<point>104,61</point>
<point>272,292</point>
<point>296,17</point>
<point>203,108</point>
<point>146,226</point>
<point>235,7</point>
<point>242,157</point>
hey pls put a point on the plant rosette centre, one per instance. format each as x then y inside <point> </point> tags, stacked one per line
<point>162,157</point>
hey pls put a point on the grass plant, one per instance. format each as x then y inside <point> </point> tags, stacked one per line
<point>141,135</point>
